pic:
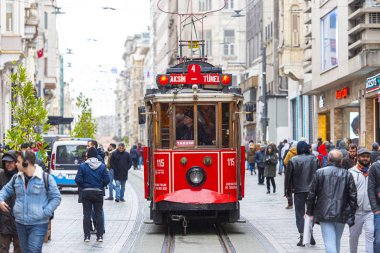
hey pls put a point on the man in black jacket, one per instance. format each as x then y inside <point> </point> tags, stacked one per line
<point>121,163</point>
<point>299,175</point>
<point>8,232</point>
<point>375,152</point>
<point>332,200</point>
<point>374,200</point>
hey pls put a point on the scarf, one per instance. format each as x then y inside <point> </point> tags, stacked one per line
<point>363,169</point>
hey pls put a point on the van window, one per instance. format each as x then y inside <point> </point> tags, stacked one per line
<point>71,154</point>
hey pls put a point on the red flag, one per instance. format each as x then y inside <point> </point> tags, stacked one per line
<point>40,53</point>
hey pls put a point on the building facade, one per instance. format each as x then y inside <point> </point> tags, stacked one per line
<point>345,43</point>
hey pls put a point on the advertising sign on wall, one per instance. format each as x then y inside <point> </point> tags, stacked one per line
<point>372,83</point>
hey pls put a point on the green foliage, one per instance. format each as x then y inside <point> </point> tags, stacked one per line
<point>86,126</point>
<point>29,114</point>
<point>126,140</point>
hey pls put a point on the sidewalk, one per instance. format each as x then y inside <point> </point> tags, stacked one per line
<point>67,225</point>
<point>268,214</point>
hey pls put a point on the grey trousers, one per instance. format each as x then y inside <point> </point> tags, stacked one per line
<point>362,219</point>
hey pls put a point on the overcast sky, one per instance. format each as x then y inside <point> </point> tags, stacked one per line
<point>84,22</point>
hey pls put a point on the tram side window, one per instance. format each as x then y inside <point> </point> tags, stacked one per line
<point>225,125</point>
<point>165,134</point>
<point>184,117</point>
<point>206,125</point>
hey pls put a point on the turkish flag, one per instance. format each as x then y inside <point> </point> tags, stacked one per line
<point>40,53</point>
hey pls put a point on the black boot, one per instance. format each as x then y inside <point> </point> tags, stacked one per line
<point>268,191</point>
<point>274,189</point>
<point>312,240</point>
<point>300,243</point>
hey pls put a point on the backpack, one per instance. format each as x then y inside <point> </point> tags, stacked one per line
<point>45,177</point>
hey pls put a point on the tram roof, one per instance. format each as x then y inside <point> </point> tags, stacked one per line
<point>187,95</point>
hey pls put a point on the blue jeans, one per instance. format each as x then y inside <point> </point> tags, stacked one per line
<point>31,237</point>
<point>140,162</point>
<point>120,188</point>
<point>332,233</point>
<point>280,166</point>
<point>251,167</point>
<point>376,243</point>
<point>111,186</point>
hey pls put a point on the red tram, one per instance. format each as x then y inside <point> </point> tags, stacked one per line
<point>194,164</point>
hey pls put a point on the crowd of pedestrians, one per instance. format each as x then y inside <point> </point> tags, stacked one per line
<point>331,185</point>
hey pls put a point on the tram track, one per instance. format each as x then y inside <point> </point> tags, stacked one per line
<point>169,243</point>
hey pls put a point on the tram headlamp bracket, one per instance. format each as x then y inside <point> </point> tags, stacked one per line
<point>196,176</point>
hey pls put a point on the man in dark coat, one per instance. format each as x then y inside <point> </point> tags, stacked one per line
<point>299,175</point>
<point>375,152</point>
<point>332,200</point>
<point>259,160</point>
<point>134,156</point>
<point>8,232</point>
<point>121,163</point>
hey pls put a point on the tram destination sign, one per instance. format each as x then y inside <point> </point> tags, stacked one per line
<point>194,76</point>
<point>372,83</point>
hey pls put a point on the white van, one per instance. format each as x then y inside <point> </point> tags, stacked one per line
<point>66,157</point>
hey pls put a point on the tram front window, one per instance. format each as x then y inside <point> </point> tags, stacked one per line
<point>185,134</point>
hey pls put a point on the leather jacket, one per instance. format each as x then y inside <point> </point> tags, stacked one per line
<point>374,186</point>
<point>332,196</point>
<point>300,172</point>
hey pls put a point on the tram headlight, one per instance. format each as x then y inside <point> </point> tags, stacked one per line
<point>196,176</point>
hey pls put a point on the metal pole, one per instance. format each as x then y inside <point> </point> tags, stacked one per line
<point>264,87</point>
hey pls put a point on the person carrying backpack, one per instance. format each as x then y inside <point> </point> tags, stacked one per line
<point>37,196</point>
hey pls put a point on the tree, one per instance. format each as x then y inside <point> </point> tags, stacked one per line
<point>86,126</point>
<point>28,111</point>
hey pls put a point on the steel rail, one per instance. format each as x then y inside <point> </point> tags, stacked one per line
<point>169,240</point>
<point>224,240</point>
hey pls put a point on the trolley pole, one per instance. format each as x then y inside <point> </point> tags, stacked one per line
<point>264,87</point>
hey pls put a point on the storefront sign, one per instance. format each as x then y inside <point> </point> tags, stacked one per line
<point>372,83</point>
<point>343,93</point>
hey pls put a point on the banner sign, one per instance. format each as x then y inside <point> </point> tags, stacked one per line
<point>372,83</point>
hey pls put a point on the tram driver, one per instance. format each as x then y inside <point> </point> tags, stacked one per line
<point>186,130</point>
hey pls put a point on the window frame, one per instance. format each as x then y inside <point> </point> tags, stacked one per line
<point>229,46</point>
<point>323,23</point>
<point>12,17</point>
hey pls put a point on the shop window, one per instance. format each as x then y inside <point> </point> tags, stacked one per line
<point>329,38</point>
<point>225,125</point>
<point>354,126</point>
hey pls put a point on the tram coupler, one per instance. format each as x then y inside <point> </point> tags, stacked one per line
<point>175,217</point>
